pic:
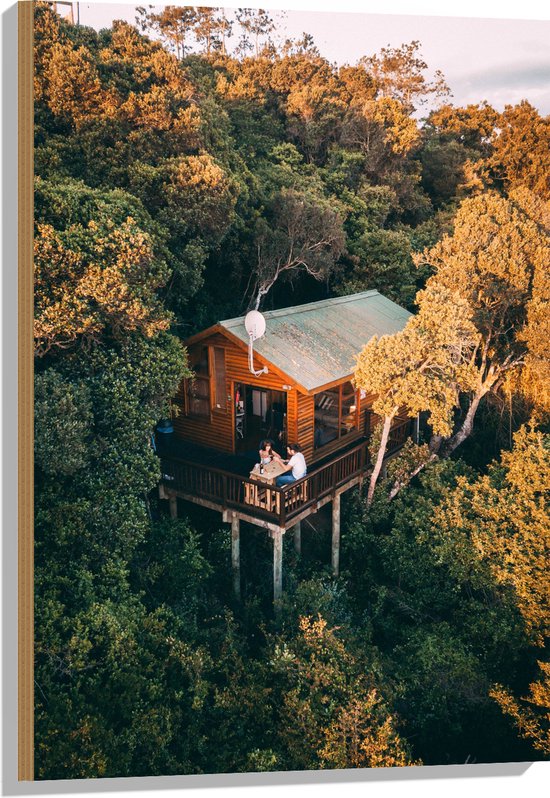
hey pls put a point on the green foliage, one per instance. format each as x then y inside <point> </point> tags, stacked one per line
<point>172,189</point>
<point>62,433</point>
<point>385,263</point>
<point>450,606</point>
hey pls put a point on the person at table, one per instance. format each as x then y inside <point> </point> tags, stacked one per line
<point>267,454</point>
<point>296,465</point>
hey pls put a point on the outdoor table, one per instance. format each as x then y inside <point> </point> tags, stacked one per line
<point>258,495</point>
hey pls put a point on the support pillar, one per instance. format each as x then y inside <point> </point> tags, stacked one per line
<point>416,429</point>
<point>173,502</point>
<point>277,565</point>
<point>298,537</point>
<point>336,536</point>
<point>236,555</point>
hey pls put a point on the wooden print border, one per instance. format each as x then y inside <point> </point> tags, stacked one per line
<point>25,207</point>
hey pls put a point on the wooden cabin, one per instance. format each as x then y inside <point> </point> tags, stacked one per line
<point>304,395</point>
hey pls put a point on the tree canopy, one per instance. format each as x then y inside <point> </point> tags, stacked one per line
<point>188,168</point>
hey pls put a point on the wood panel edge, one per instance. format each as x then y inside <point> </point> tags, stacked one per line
<point>25,570</point>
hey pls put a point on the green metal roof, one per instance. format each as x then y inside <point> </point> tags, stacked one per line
<point>317,343</point>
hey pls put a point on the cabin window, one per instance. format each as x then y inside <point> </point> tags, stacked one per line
<point>198,387</point>
<point>220,388</point>
<point>335,414</point>
<point>348,408</point>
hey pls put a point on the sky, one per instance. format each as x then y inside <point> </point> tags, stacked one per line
<point>499,60</point>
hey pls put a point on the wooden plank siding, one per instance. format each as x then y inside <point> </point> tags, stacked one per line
<point>218,431</point>
<point>304,424</point>
<point>215,431</point>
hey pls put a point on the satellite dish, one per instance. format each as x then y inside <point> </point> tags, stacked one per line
<point>255,327</point>
<point>255,324</point>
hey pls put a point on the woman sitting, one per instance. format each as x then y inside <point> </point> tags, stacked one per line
<point>266,452</point>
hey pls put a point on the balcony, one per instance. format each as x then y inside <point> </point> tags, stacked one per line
<point>189,477</point>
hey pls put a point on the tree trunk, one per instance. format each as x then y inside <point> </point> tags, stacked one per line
<point>447,448</point>
<point>379,458</point>
<point>401,483</point>
<point>467,427</point>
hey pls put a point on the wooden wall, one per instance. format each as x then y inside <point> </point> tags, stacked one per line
<point>215,432</point>
<point>304,425</point>
<point>218,432</point>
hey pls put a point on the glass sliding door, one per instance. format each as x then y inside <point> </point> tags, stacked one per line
<point>259,413</point>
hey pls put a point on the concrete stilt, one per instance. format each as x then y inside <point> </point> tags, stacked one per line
<point>173,502</point>
<point>298,537</point>
<point>236,555</point>
<point>277,565</point>
<point>336,536</point>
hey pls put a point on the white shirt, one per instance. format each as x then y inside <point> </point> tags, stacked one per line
<point>298,463</point>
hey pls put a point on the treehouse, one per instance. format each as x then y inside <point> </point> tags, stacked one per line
<point>291,385</point>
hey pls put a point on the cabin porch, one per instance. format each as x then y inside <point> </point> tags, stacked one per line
<point>221,482</point>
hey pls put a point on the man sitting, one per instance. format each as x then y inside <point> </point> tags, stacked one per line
<point>296,464</point>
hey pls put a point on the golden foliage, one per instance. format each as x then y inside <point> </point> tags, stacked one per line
<point>71,84</point>
<point>330,717</point>
<point>401,131</point>
<point>530,714</point>
<point>424,366</point>
<point>85,295</point>
<point>498,261</point>
<point>363,736</point>
<point>506,516</point>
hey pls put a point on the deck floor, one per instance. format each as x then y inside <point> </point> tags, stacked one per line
<point>168,445</point>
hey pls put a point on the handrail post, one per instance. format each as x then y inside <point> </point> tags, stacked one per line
<point>282,516</point>
<point>362,463</point>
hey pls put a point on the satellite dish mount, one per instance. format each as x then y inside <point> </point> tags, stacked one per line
<point>255,326</point>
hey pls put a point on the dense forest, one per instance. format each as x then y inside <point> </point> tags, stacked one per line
<point>188,169</point>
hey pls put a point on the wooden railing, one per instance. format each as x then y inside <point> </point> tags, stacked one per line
<point>268,502</point>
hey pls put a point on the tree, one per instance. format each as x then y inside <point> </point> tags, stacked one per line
<point>363,735</point>
<point>473,126</point>
<point>70,84</point>
<point>495,261</point>
<point>422,368</point>
<point>505,517</point>
<point>399,73</point>
<point>493,268</point>
<point>256,23</point>
<point>383,131</point>
<point>520,150</point>
<point>89,288</point>
<point>383,262</point>
<point>304,234</point>
<point>531,714</point>
<point>174,24</point>
<point>304,47</point>
<point>445,626</point>
<point>206,27</point>
<point>314,108</point>
<point>501,520</point>
<point>330,712</point>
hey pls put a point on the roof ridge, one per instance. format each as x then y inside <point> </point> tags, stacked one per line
<point>271,314</point>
